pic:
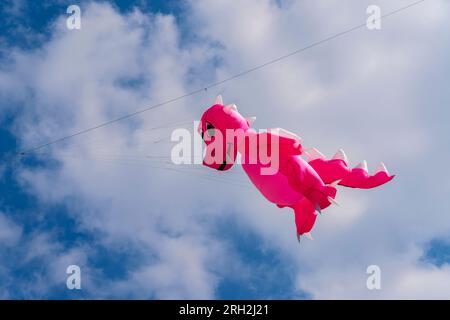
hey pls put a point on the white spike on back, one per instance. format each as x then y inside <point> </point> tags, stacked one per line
<point>285,133</point>
<point>313,154</point>
<point>340,154</point>
<point>382,168</point>
<point>230,108</point>
<point>250,120</point>
<point>362,165</point>
<point>218,100</point>
<point>309,235</point>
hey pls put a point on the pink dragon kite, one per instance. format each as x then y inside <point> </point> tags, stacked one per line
<point>273,162</point>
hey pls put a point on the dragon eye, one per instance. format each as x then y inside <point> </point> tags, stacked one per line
<point>210,130</point>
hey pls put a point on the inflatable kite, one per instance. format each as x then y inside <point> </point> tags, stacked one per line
<point>272,160</point>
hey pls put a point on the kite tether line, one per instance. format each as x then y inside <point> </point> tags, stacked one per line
<point>213,84</point>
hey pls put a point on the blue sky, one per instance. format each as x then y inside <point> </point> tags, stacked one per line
<point>141,232</point>
<point>114,264</point>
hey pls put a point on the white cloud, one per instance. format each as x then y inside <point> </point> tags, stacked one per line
<point>10,232</point>
<point>422,283</point>
<point>360,92</point>
<point>46,261</point>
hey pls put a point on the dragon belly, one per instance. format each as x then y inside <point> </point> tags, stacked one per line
<point>274,188</point>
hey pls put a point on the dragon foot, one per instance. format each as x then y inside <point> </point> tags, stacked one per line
<point>305,217</point>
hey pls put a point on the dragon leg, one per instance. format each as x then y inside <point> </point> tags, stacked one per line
<point>307,181</point>
<point>336,169</point>
<point>305,217</point>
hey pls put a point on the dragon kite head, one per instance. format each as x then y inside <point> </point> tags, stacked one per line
<point>219,128</point>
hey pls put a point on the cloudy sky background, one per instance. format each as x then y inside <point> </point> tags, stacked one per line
<point>139,227</point>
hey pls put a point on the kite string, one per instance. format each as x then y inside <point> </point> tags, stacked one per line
<point>214,84</point>
<point>150,161</point>
<point>97,141</point>
<point>201,174</point>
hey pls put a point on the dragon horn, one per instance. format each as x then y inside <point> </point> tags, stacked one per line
<point>218,100</point>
